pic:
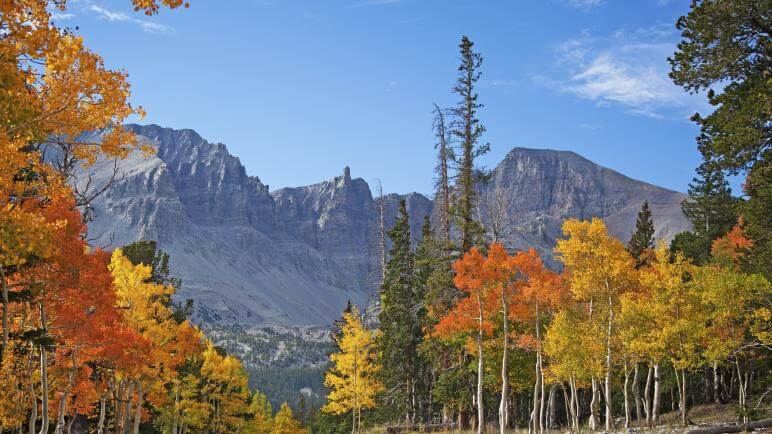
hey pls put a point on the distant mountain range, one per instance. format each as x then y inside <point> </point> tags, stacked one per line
<point>252,258</point>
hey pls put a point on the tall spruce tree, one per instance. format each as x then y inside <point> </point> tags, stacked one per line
<point>711,209</point>
<point>399,322</point>
<point>467,130</point>
<point>643,237</point>
<point>726,49</point>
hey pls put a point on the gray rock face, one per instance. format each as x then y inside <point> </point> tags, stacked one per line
<point>541,188</point>
<point>294,256</point>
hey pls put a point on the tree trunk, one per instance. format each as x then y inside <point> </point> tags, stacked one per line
<point>594,406</point>
<point>627,399</point>
<point>33,414</point>
<point>716,384</point>
<point>535,416</point>
<point>503,405</point>
<point>138,414</point>
<point>551,408</point>
<point>637,393</point>
<point>741,393</point>
<point>607,383</point>
<point>683,405</point>
<point>102,414</point>
<point>647,398</point>
<point>126,422</point>
<point>480,410</point>
<point>118,406</point>
<point>655,399</point>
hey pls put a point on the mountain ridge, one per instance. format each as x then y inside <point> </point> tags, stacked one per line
<point>253,257</point>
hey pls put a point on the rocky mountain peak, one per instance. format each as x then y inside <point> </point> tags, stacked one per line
<point>294,256</point>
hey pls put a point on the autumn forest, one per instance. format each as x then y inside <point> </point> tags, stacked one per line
<point>466,333</point>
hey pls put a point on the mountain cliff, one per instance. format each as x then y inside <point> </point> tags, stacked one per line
<point>253,257</point>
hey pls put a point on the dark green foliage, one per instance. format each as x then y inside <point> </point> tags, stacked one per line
<point>467,130</point>
<point>401,318</point>
<point>692,246</point>
<point>147,253</point>
<point>711,209</point>
<point>285,385</point>
<point>727,43</point>
<point>643,237</point>
<point>757,221</point>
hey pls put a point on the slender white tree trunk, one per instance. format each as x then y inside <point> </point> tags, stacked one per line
<point>627,398</point>
<point>655,398</point>
<point>594,406</point>
<point>607,383</point>
<point>503,405</point>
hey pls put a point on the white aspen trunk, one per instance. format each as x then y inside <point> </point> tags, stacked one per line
<point>647,396</point>
<point>537,387</point>
<point>542,412</point>
<point>551,410</point>
<point>33,414</point>
<point>575,399</point>
<point>627,399</point>
<point>741,392</point>
<point>607,383</point>
<point>684,404</point>
<point>138,414</point>
<point>637,393</point>
<point>655,399</point>
<point>716,383</point>
<point>126,416</point>
<point>102,414</point>
<point>480,410</point>
<point>503,405</point>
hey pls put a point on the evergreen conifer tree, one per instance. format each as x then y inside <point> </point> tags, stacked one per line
<point>467,129</point>
<point>643,237</point>
<point>711,209</point>
<point>399,322</point>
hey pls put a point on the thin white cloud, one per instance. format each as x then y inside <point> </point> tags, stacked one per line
<point>628,69</point>
<point>585,4</point>
<point>370,3</point>
<point>146,26</point>
<point>61,16</point>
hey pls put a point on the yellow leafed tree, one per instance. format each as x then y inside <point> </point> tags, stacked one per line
<point>285,423</point>
<point>351,380</point>
<point>600,270</point>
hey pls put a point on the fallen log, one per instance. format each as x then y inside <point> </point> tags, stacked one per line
<point>720,429</point>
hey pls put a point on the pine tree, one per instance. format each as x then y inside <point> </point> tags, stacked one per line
<point>399,321</point>
<point>711,209</point>
<point>643,237</point>
<point>467,130</point>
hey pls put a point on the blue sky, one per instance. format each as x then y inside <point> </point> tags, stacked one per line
<point>300,89</point>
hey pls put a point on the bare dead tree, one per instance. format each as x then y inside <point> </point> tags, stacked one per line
<point>442,183</point>
<point>60,154</point>
<point>495,211</point>
<point>380,203</point>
